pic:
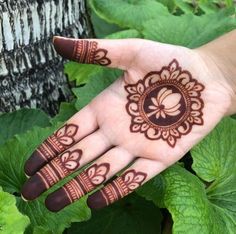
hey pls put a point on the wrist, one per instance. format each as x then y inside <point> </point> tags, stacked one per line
<point>220,59</point>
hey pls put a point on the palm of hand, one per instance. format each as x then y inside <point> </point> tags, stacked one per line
<point>115,120</point>
<point>133,120</point>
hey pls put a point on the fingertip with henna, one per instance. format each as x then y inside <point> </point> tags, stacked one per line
<point>64,46</point>
<point>96,201</point>
<point>33,164</point>
<point>33,188</point>
<point>57,200</point>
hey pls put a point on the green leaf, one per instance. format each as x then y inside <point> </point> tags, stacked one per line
<point>208,7</point>
<point>130,33</point>
<point>128,13</point>
<point>189,30</point>
<point>97,83</point>
<point>11,220</point>
<point>214,162</point>
<point>101,27</point>
<point>198,207</point>
<point>170,4</point>
<point>65,112</point>
<point>184,6</point>
<point>13,155</point>
<point>80,72</point>
<point>130,215</point>
<point>233,116</point>
<point>21,121</point>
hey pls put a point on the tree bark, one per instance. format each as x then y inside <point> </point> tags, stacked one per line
<point>31,73</point>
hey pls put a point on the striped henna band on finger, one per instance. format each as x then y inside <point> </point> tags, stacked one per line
<point>55,144</point>
<point>82,51</point>
<point>117,189</point>
<point>53,172</point>
<point>85,182</point>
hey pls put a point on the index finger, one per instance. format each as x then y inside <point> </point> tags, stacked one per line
<point>80,125</point>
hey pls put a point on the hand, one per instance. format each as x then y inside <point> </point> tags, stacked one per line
<point>168,99</point>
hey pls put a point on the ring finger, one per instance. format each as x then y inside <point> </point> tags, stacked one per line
<point>96,174</point>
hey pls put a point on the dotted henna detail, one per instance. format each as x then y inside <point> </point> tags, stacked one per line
<point>61,140</point>
<point>86,181</point>
<point>122,186</point>
<point>165,104</point>
<point>87,52</point>
<point>60,167</point>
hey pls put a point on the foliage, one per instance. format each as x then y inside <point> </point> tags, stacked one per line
<point>206,201</point>
<point>199,202</point>
<point>13,154</point>
<point>11,220</point>
<point>132,214</point>
<point>20,121</point>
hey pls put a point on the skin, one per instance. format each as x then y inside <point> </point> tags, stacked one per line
<point>104,125</point>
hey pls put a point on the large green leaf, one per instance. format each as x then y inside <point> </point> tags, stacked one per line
<point>129,33</point>
<point>101,27</point>
<point>65,112</point>
<point>196,208</point>
<point>189,30</point>
<point>11,220</point>
<point>128,216</point>
<point>197,7</point>
<point>13,155</point>
<point>21,121</point>
<point>214,162</point>
<point>128,13</point>
<point>97,83</point>
<point>80,72</point>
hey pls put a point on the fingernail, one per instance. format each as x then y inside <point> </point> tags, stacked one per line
<point>34,163</point>
<point>96,201</point>
<point>64,47</point>
<point>27,176</point>
<point>33,188</point>
<point>57,200</point>
<point>23,198</point>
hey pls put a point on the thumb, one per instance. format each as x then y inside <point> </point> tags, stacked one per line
<point>118,53</point>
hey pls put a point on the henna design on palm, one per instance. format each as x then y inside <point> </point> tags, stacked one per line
<point>165,104</point>
<point>61,140</point>
<point>117,189</point>
<point>85,182</point>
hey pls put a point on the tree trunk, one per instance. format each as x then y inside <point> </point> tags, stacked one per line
<point>31,73</point>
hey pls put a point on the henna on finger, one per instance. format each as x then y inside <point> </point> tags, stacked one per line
<point>82,51</point>
<point>85,182</point>
<point>165,104</point>
<point>117,189</point>
<point>53,172</point>
<point>55,144</point>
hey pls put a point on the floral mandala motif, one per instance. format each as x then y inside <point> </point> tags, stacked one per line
<point>165,104</point>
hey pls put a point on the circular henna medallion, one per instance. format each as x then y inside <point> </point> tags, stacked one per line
<point>165,104</point>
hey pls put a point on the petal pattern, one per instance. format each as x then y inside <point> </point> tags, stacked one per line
<point>70,160</point>
<point>97,173</point>
<point>171,100</point>
<point>166,103</point>
<point>133,179</point>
